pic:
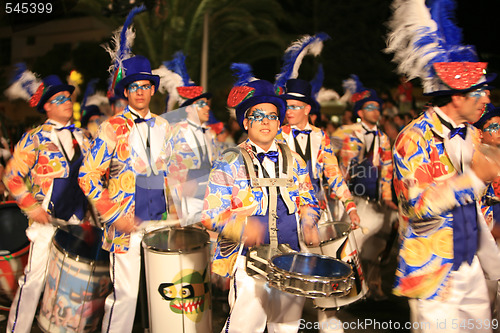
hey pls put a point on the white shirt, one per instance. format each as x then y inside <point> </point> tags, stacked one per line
<point>196,131</point>
<point>368,137</point>
<point>65,138</point>
<point>266,163</point>
<point>302,138</point>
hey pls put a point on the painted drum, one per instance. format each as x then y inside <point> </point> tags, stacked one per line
<point>14,249</point>
<point>178,280</point>
<point>77,282</point>
<point>337,241</point>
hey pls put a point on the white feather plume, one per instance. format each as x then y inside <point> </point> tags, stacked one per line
<point>99,98</point>
<point>23,87</point>
<point>326,95</point>
<point>169,81</point>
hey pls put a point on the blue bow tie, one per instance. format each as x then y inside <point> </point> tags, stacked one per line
<point>296,132</point>
<point>196,127</point>
<point>371,132</point>
<point>70,128</point>
<point>150,121</point>
<point>462,131</point>
<point>272,155</point>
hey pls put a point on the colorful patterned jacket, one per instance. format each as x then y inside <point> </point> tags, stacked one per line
<point>186,157</point>
<point>428,187</point>
<point>491,197</point>
<point>230,200</point>
<point>352,140</point>
<point>323,162</point>
<point>120,149</point>
<point>37,160</point>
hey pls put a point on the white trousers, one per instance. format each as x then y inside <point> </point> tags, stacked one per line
<point>23,308</point>
<point>467,308</point>
<point>125,269</point>
<point>253,304</point>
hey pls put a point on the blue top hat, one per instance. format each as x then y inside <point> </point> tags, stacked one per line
<point>301,90</point>
<point>360,98</point>
<point>88,112</point>
<point>52,85</point>
<point>136,69</point>
<point>491,111</point>
<point>262,91</point>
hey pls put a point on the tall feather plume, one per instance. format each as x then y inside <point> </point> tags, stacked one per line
<point>243,73</point>
<point>24,83</point>
<point>317,81</point>
<point>420,36</point>
<point>122,41</point>
<point>173,74</point>
<point>351,86</point>
<point>325,95</point>
<point>90,90</point>
<point>294,54</point>
<point>98,99</point>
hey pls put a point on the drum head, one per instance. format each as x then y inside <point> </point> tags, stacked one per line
<point>13,224</point>
<point>180,240</point>
<point>331,231</point>
<point>312,265</point>
<point>82,242</point>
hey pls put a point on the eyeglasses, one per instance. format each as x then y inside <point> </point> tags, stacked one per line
<point>295,107</point>
<point>201,104</point>
<point>477,93</point>
<point>61,99</point>
<point>492,128</point>
<point>371,107</point>
<point>134,87</point>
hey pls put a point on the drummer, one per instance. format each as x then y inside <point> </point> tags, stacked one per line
<point>365,160</point>
<point>313,145</point>
<point>134,147</point>
<point>47,158</point>
<point>242,214</point>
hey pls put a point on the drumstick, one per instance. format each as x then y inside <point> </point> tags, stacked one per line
<point>364,230</point>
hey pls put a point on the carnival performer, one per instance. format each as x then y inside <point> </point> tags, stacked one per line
<point>134,147</point>
<point>245,214</point>
<point>42,176</point>
<point>366,163</point>
<point>440,174</point>
<point>194,143</point>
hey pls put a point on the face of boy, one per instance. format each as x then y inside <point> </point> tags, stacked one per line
<point>262,123</point>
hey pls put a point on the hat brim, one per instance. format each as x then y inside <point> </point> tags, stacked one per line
<point>315,107</point>
<point>123,83</point>
<point>490,77</point>
<point>190,101</point>
<point>359,104</point>
<point>252,101</point>
<point>51,92</point>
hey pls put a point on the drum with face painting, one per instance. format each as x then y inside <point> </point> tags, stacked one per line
<point>178,280</point>
<point>77,282</point>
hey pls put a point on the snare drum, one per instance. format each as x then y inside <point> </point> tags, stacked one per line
<point>14,249</point>
<point>77,282</point>
<point>337,241</point>
<point>310,275</point>
<point>178,280</point>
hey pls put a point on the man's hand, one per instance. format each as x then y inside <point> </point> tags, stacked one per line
<point>311,234</point>
<point>39,215</point>
<point>355,220</point>
<point>126,224</point>
<point>253,235</point>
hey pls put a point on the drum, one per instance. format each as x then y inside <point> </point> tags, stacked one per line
<point>337,241</point>
<point>77,282</point>
<point>14,249</point>
<point>310,275</point>
<point>178,280</point>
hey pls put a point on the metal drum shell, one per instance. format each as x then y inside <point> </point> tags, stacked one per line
<point>311,286</point>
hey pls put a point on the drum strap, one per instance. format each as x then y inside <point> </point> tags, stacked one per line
<point>272,184</point>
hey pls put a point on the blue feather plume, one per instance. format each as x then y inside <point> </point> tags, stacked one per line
<point>294,54</point>
<point>20,69</point>
<point>243,73</point>
<point>90,90</point>
<point>124,48</point>
<point>178,65</point>
<point>317,81</point>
